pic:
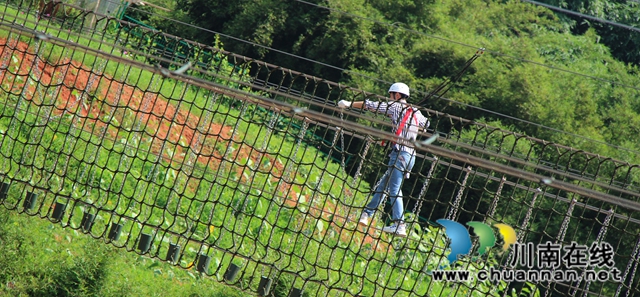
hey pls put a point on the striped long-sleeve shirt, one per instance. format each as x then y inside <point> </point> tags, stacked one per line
<point>397,110</point>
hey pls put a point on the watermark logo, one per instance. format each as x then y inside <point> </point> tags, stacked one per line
<point>460,240</point>
<point>527,262</point>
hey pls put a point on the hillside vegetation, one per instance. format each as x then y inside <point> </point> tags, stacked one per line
<point>256,187</point>
<point>539,66</point>
<point>113,140</point>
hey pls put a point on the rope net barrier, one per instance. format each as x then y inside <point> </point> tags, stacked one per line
<point>248,173</point>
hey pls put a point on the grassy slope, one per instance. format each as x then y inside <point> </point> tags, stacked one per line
<point>58,138</point>
<point>38,258</point>
<point>307,228</point>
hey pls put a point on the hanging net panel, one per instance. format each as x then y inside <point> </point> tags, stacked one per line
<point>248,173</point>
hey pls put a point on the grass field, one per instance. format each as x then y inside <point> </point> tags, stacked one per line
<point>186,166</point>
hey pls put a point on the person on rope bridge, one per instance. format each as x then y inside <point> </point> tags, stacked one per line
<point>407,121</point>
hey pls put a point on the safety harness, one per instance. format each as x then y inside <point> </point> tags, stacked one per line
<point>403,123</point>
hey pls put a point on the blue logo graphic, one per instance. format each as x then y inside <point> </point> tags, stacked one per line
<point>460,240</point>
<point>459,236</point>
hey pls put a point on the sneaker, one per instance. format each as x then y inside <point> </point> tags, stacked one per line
<point>399,229</point>
<point>364,219</point>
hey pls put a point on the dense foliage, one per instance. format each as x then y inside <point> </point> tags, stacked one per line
<point>569,80</point>
<point>540,66</point>
<point>622,41</point>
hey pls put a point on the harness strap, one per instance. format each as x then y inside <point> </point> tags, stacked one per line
<point>404,122</point>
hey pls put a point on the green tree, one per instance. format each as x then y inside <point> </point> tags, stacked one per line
<point>622,41</point>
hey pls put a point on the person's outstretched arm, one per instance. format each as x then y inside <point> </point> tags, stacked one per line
<point>374,106</point>
<point>347,104</point>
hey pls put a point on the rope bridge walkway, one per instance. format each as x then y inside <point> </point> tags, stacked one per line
<point>247,172</point>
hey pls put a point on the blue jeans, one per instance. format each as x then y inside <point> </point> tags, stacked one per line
<point>399,163</point>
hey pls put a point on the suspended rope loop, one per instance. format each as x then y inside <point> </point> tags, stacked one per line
<point>136,138</point>
<point>29,81</point>
<point>261,154</point>
<point>599,238</point>
<point>563,231</point>
<point>417,207</point>
<point>363,157</point>
<point>79,115</point>
<point>633,273</point>
<point>6,58</point>
<point>525,222</point>
<point>496,197</point>
<point>301,135</point>
<point>456,203</point>
<point>226,160</point>
<point>83,98</point>
<point>152,173</point>
<point>565,222</point>
<point>124,161</point>
<point>108,116</point>
<point>58,81</point>
<point>322,175</point>
<point>356,176</point>
<point>520,236</point>
<point>634,258</point>
<point>527,217</point>
<point>236,127</point>
<point>208,116</point>
<point>240,209</point>
<point>262,150</point>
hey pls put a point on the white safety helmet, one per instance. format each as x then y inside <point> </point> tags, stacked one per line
<point>399,88</point>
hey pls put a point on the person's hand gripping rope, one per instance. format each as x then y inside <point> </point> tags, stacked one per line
<point>344,104</point>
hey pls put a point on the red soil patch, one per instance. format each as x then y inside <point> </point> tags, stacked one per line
<point>106,99</point>
<point>65,83</point>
